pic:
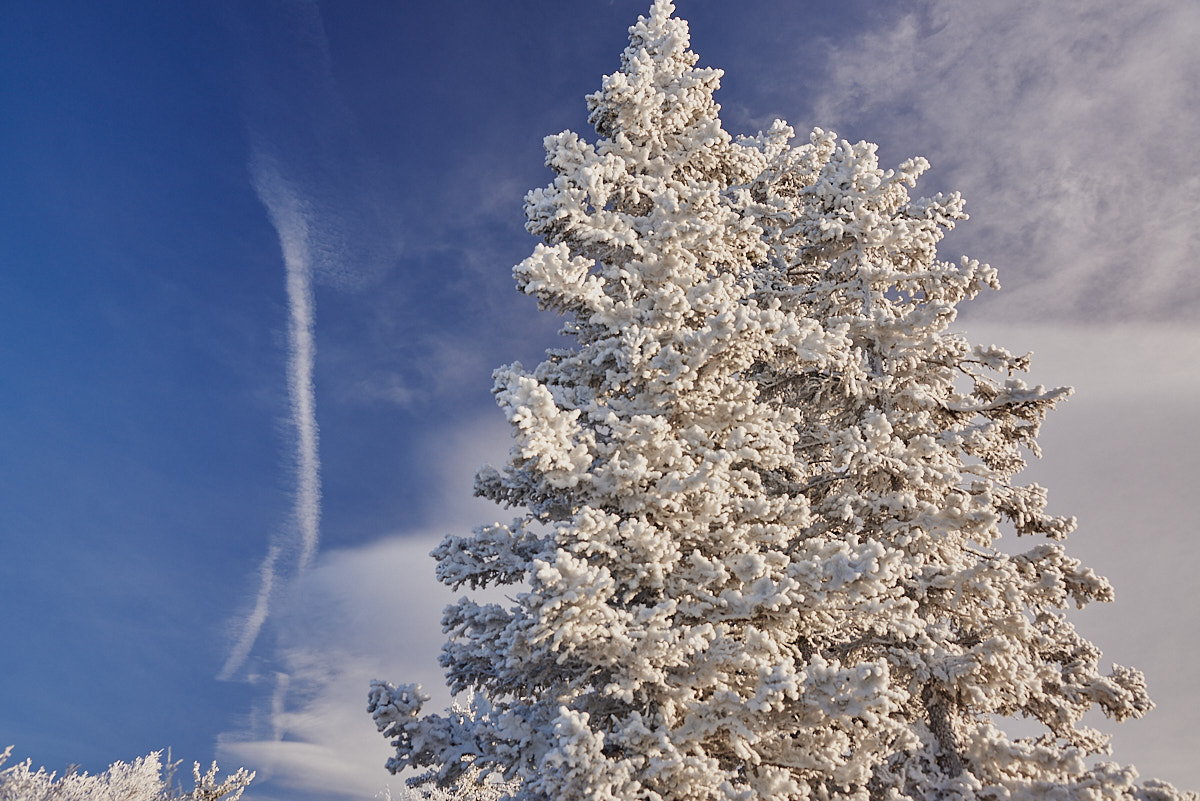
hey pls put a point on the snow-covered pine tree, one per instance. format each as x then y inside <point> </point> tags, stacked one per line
<point>759,494</point>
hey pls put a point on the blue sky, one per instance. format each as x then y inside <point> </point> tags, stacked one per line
<point>166,167</point>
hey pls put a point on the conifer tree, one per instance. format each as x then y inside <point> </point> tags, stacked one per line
<point>758,496</point>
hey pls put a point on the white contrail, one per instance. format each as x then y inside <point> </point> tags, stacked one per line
<point>302,351</point>
<point>290,217</point>
<point>253,623</point>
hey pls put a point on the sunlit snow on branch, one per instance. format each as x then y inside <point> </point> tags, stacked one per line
<point>140,780</point>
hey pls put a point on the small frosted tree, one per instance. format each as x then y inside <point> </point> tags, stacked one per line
<point>140,780</point>
<point>760,492</point>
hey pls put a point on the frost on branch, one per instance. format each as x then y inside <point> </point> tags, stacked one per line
<point>140,780</point>
<point>757,497</point>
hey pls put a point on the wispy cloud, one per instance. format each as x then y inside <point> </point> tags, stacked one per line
<point>1069,128</point>
<point>288,215</point>
<point>315,180</point>
<point>359,614</point>
<point>247,630</point>
<point>286,210</point>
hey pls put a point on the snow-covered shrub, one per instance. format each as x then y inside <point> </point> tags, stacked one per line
<point>141,780</point>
